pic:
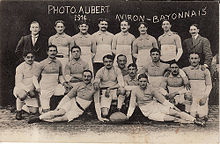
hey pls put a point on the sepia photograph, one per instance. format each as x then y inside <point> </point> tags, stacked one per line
<point>109,71</point>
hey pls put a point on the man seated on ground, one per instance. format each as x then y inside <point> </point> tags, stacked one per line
<point>73,69</point>
<point>155,69</point>
<point>121,64</point>
<point>108,82</point>
<point>178,88</point>
<point>131,82</point>
<point>24,91</point>
<point>160,110</point>
<point>74,103</point>
<point>50,71</point>
<point>201,85</point>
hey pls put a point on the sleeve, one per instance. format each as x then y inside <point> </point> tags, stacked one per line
<point>120,78</point>
<point>73,92</point>
<point>154,43</point>
<point>38,69</point>
<point>143,70</point>
<point>163,83</point>
<point>208,82</point>
<point>132,103</point>
<point>93,45</point>
<point>159,44</point>
<point>86,66</point>
<point>19,77</point>
<point>179,47</point>
<point>72,42</point>
<point>50,40</point>
<point>19,48</point>
<point>135,49</point>
<point>67,69</point>
<point>98,76</point>
<point>207,52</point>
<point>114,43</point>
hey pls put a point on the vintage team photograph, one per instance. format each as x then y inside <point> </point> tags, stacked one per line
<point>119,71</point>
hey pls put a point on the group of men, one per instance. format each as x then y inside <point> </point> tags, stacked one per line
<point>105,68</point>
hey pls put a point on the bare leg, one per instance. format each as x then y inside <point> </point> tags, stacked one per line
<point>182,115</point>
<point>58,119</point>
<point>121,99</point>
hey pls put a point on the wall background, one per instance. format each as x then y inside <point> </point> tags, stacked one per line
<point>16,16</point>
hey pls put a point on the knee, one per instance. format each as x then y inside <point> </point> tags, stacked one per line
<point>188,96</point>
<point>33,110</point>
<point>104,112</point>
<point>121,91</point>
<point>22,95</point>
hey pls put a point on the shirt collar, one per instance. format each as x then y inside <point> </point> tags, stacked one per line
<point>89,86</point>
<point>35,36</point>
<point>145,36</point>
<point>196,36</point>
<point>195,68</point>
<point>124,34</point>
<point>102,33</point>
<point>171,75</point>
<point>155,64</point>
<point>169,33</point>
<point>76,61</point>
<point>83,35</point>
<point>51,60</point>
<point>60,35</point>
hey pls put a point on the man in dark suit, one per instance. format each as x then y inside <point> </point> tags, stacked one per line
<point>198,44</point>
<point>34,42</point>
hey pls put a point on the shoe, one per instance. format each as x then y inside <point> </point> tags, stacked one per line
<point>200,122</point>
<point>34,119</point>
<point>18,115</point>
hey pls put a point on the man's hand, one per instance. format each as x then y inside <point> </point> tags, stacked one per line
<point>172,95</point>
<point>202,101</point>
<point>188,86</point>
<point>38,90</point>
<point>31,93</point>
<point>107,92</point>
<point>103,119</point>
<point>96,86</point>
<point>67,85</point>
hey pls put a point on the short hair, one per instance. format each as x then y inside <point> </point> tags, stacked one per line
<point>165,20</point>
<point>75,46</point>
<point>103,19</point>
<point>125,20</point>
<point>154,50</point>
<point>59,21</point>
<point>143,76</point>
<point>195,25</point>
<point>132,65</point>
<point>121,55</point>
<point>108,56</point>
<point>194,53</point>
<point>174,62</point>
<point>83,22</point>
<point>87,71</point>
<point>25,53</point>
<point>142,23</point>
<point>51,46</point>
<point>35,22</point>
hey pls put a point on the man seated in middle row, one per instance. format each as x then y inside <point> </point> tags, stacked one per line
<point>177,87</point>
<point>108,82</point>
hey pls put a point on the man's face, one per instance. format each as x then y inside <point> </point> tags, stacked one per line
<point>87,77</point>
<point>166,26</point>
<point>83,28</point>
<point>194,59</point>
<point>174,69</point>
<point>122,60</point>
<point>29,59</point>
<point>108,63</point>
<point>124,26</point>
<point>103,25</point>
<point>142,29</point>
<point>193,30</point>
<point>59,28</point>
<point>142,83</point>
<point>76,53</point>
<point>132,71</point>
<point>35,28</point>
<point>155,56</point>
<point>52,52</point>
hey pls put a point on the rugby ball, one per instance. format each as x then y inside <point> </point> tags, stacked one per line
<point>118,117</point>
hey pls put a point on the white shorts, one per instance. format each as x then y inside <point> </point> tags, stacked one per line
<point>154,111</point>
<point>28,101</point>
<point>72,109</point>
<point>106,101</point>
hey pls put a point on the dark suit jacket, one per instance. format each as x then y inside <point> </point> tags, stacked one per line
<point>201,46</point>
<point>39,49</point>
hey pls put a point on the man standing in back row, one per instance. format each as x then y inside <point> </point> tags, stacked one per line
<point>198,44</point>
<point>169,44</point>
